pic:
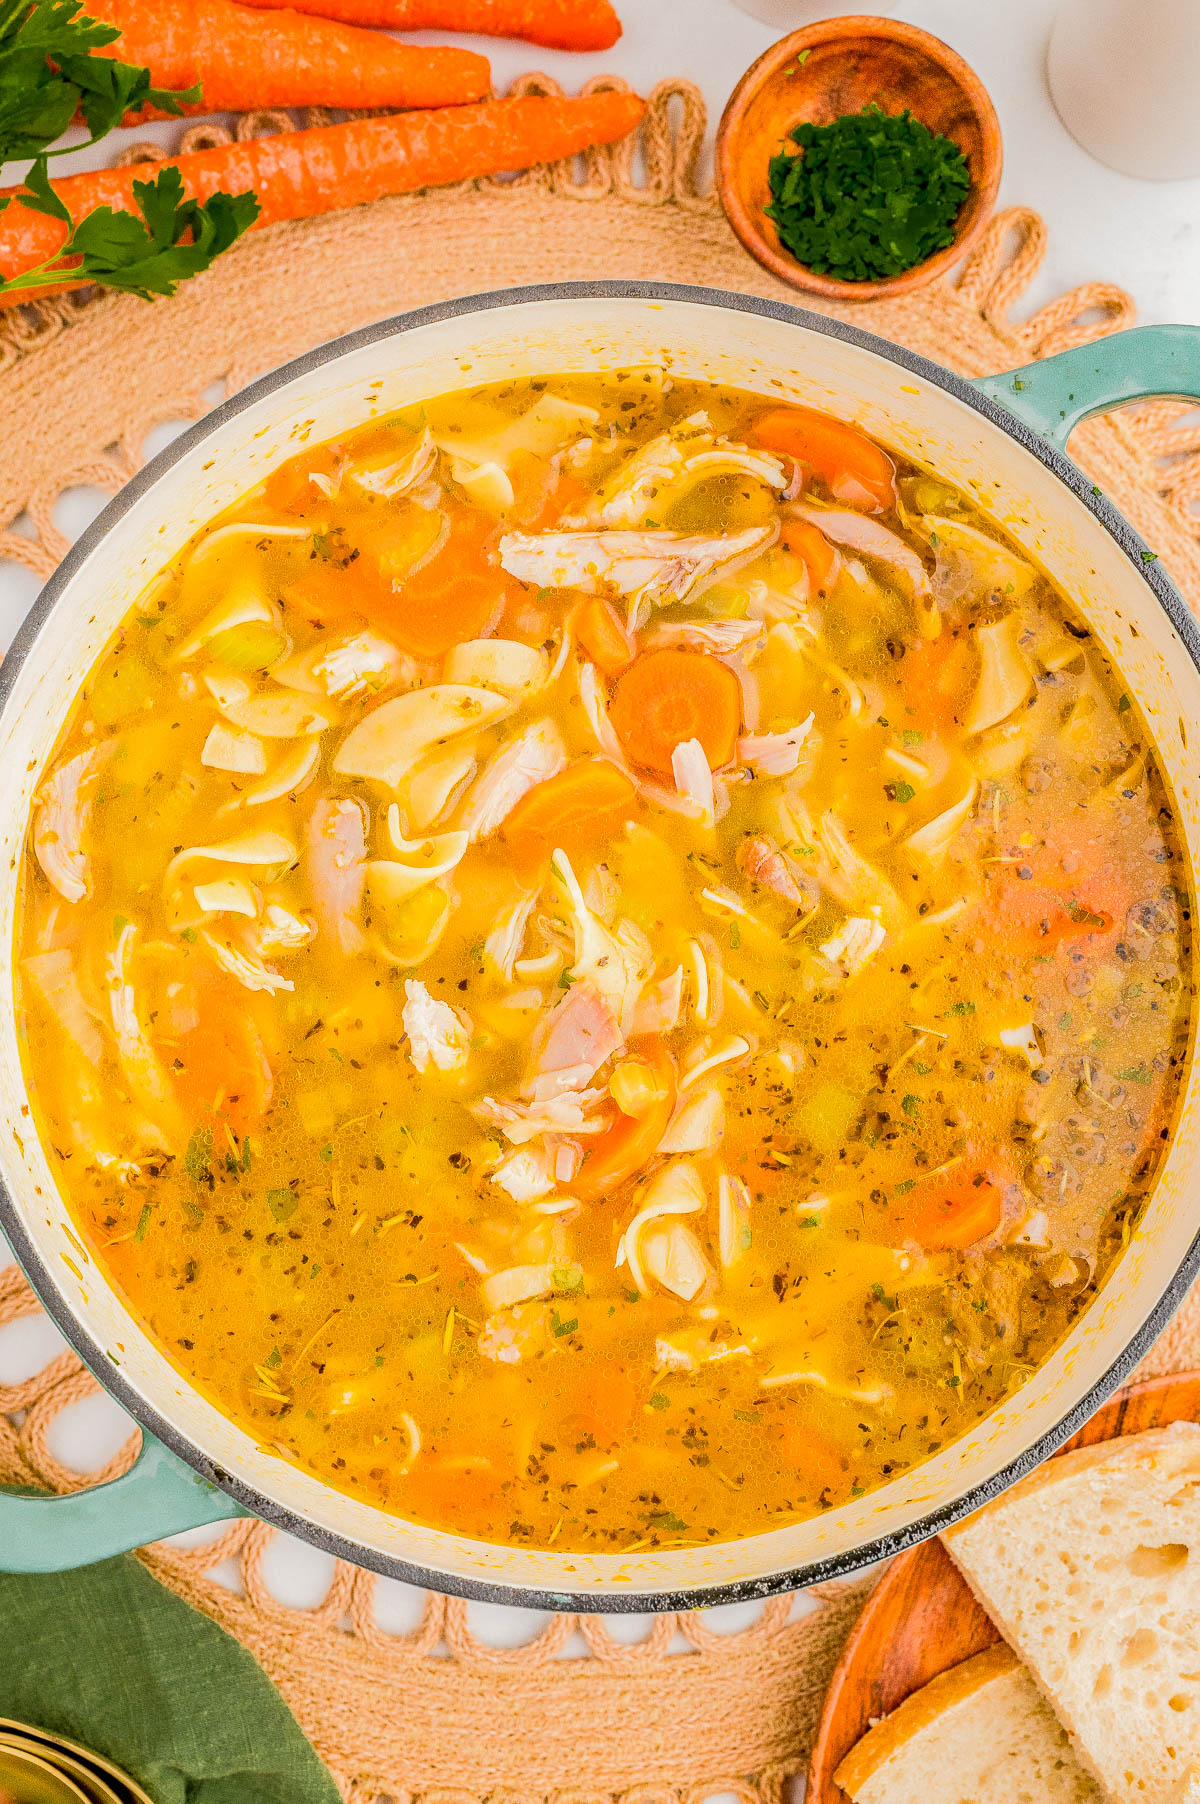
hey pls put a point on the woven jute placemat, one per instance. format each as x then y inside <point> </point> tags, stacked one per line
<point>438,1715</point>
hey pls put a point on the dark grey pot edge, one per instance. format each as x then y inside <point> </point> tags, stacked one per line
<point>536,1597</point>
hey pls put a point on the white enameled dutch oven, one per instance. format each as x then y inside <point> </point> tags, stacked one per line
<point>1001,440</point>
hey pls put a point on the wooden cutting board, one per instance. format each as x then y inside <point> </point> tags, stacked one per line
<point>921,1619</point>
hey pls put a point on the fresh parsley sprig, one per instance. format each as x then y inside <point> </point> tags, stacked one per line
<point>50,73</point>
<point>173,239</point>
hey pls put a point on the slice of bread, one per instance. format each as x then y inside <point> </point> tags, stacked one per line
<point>1090,1568</point>
<point>978,1734</point>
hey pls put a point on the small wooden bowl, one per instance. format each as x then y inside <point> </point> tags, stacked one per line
<point>850,62</point>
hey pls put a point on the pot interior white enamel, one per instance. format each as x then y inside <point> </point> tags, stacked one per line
<point>460,347</point>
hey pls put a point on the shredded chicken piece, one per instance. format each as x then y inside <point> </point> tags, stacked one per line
<point>502,946</point>
<point>570,1112</point>
<point>616,960</point>
<point>660,1005</point>
<point>721,637</point>
<point>535,755</point>
<point>580,1034</point>
<point>762,861</point>
<point>775,754</point>
<point>436,1032</point>
<point>335,862</point>
<point>148,1082</point>
<point>398,477</point>
<point>246,967</point>
<point>856,941</point>
<point>694,779</point>
<point>359,665</point>
<point>873,540</point>
<point>525,1175</point>
<point>654,565</point>
<point>513,1334</point>
<point>280,930</point>
<point>64,807</point>
<point>660,472</point>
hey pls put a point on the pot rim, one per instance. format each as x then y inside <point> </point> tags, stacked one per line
<point>145,1414</point>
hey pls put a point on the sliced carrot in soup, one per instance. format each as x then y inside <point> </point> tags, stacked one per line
<point>291,490</point>
<point>603,1403</point>
<point>853,468</point>
<point>457,592</point>
<point>936,679</point>
<point>621,1151</point>
<point>813,548</point>
<point>220,1065</point>
<point>669,697</point>
<point>579,807</point>
<point>953,1212</point>
<point>604,636</point>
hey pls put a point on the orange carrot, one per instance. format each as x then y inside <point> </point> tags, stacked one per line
<point>298,174</point>
<point>289,489</point>
<point>852,466</point>
<point>604,636</point>
<point>953,1213</point>
<point>667,697</point>
<point>604,1403</point>
<point>582,804</point>
<point>459,593</point>
<point>1067,888</point>
<point>243,60</point>
<point>813,548</point>
<point>820,1466</point>
<point>561,24</point>
<point>1027,917</point>
<point>220,1067</point>
<point>936,679</point>
<point>632,1140</point>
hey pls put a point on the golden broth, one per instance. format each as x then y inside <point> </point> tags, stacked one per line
<point>605,1041</point>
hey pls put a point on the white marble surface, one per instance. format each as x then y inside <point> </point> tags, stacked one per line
<point>1144,236</point>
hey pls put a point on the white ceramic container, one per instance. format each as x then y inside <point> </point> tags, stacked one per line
<point>1125,78</point>
<point>197,1465</point>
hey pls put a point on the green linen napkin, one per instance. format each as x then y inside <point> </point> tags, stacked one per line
<point>110,1658</point>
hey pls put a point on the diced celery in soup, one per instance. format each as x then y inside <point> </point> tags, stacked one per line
<point>605,963</point>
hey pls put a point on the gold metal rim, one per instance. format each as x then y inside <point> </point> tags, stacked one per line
<point>57,1787</point>
<point>85,1760</point>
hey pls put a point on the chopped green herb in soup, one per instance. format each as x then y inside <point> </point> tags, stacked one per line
<point>605,963</point>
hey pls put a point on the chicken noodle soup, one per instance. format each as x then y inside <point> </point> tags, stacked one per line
<point>605,963</point>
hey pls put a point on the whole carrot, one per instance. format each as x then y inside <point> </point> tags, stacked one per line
<point>561,24</point>
<point>298,174</point>
<point>242,60</point>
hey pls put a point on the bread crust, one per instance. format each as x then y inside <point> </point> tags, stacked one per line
<point>1125,1458</point>
<point>1065,1466</point>
<point>920,1710</point>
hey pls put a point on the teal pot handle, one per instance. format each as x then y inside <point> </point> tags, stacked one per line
<point>158,1496</point>
<point>1052,397</point>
